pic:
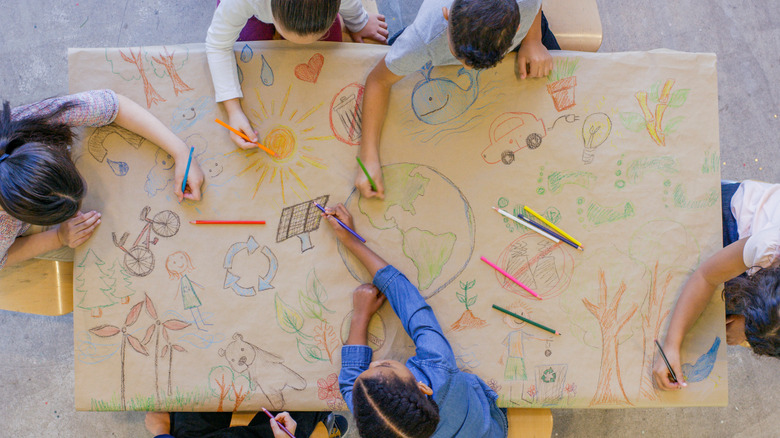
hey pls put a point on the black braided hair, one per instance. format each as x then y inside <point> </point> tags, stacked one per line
<point>39,184</point>
<point>391,407</point>
<point>757,298</point>
<point>481,31</point>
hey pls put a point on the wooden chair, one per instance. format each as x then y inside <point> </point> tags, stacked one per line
<point>43,287</point>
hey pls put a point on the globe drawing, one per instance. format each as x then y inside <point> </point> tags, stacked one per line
<point>424,225</point>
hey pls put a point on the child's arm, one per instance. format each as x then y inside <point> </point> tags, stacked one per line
<point>72,233</point>
<point>355,354</point>
<point>229,18</point>
<point>533,59</point>
<point>375,101</point>
<point>415,314</point>
<point>361,24</point>
<point>135,118</point>
<point>722,266</point>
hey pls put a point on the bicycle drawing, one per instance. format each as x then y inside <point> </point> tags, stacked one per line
<point>139,259</point>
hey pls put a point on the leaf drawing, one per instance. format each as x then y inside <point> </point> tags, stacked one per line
<point>288,318</point>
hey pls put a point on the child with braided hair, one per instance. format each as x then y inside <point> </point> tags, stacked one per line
<point>428,396</point>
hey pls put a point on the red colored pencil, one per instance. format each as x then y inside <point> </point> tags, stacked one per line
<point>228,222</point>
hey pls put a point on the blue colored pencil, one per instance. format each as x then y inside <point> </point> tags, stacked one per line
<point>551,232</point>
<point>186,172</point>
<point>343,224</point>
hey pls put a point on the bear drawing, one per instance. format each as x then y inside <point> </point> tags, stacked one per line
<point>256,363</point>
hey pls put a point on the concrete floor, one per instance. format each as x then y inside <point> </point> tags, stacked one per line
<point>36,354</point>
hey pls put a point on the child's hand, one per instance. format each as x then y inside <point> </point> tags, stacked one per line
<point>287,420</point>
<point>194,179</point>
<point>533,60</point>
<point>376,29</point>
<point>76,230</point>
<point>663,380</point>
<point>366,300</point>
<point>237,119</point>
<point>364,185</point>
<point>343,215</point>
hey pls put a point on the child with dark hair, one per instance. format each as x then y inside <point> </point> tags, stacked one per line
<point>299,21</point>
<point>39,183</point>
<point>751,240</point>
<point>426,396</point>
<point>474,33</point>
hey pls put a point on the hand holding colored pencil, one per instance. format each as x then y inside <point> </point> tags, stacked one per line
<point>370,180</point>
<point>343,225</point>
<point>242,135</point>
<point>279,423</point>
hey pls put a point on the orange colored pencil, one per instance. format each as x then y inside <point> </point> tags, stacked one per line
<point>241,134</point>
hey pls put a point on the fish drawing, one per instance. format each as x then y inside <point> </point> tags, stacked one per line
<point>439,100</point>
<point>703,366</point>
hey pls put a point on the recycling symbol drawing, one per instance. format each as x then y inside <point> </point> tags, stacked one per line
<point>548,376</point>
<point>263,281</point>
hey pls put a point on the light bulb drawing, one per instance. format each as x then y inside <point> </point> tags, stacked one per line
<point>595,131</point>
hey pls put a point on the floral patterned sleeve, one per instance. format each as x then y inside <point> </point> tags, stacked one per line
<point>10,229</point>
<point>93,108</point>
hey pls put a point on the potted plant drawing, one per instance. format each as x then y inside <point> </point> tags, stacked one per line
<point>467,320</point>
<point>561,82</point>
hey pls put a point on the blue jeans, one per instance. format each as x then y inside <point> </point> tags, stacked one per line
<point>730,233</point>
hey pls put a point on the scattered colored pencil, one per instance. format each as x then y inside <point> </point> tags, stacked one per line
<point>343,224</point>
<point>522,318</point>
<point>201,222</point>
<point>527,224</point>
<point>278,422</point>
<point>241,134</point>
<point>552,225</point>
<point>550,232</point>
<point>187,171</point>
<point>506,274</point>
<point>666,361</point>
<point>370,180</point>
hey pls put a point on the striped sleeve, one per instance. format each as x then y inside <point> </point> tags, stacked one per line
<point>92,108</point>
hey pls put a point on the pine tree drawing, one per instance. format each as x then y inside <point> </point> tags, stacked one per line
<point>123,287</point>
<point>97,295</point>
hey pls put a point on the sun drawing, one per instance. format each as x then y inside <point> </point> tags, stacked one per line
<point>291,139</point>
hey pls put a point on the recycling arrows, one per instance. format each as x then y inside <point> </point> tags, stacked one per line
<point>263,281</point>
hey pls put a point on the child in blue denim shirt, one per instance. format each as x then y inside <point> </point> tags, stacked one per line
<point>427,396</point>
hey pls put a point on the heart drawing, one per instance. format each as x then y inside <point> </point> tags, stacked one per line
<point>311,70</point>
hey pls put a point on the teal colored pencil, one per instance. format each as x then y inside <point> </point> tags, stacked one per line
<point>186,172</point>
<point>370,180</point>
<point>543,327</point>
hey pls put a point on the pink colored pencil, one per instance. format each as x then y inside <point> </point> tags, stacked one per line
<point>506,274</point>
<point>227,222</point>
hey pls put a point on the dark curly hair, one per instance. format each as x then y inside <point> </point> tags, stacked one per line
<point>481,31</point>
<point>391,407</point>
<point>39,184</point>
<point>305,17</point>
<point>757,298</point>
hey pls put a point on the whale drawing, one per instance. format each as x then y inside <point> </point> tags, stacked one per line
<point>439,100</point>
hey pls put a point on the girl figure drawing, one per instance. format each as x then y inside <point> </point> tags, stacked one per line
<point>177,265</point>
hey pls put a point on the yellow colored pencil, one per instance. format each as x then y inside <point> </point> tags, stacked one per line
<point>551,225</point>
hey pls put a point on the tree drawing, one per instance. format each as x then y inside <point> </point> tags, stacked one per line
<point>610,386</point>
<point>653,315</point>
<point>152,96</point>
<point>122,290</point>
<point>165,65</point>
<point>91,299</point>
<point>467,320</point>
<point>323,343</point>
<point>107,331</point>
<point>223,381</point>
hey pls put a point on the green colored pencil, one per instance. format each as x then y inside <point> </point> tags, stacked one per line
<point>501,309</point>
<point>370,180</point>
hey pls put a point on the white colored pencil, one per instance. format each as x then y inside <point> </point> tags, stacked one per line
<point>527,225</point>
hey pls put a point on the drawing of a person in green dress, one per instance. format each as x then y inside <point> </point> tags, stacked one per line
<point>178,264</point>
